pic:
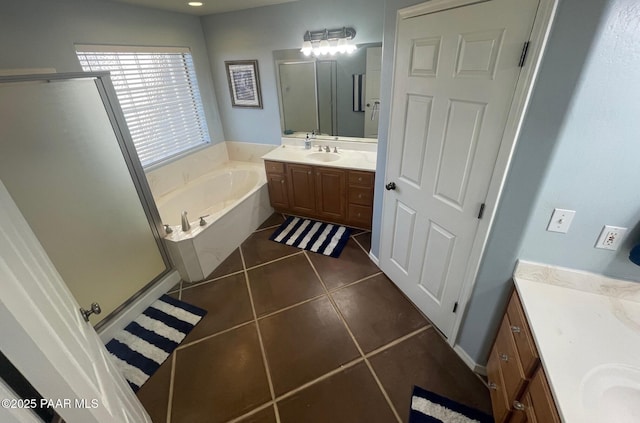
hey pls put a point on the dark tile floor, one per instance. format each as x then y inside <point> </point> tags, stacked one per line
<point>293,337</point>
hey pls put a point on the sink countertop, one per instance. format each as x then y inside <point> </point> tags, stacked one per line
<point>580,321</point>
<point>349,159</point>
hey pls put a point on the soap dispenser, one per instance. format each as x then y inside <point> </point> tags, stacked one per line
<point>307,143</point>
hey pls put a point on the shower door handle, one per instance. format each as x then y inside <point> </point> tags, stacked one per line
<point>95,309</point>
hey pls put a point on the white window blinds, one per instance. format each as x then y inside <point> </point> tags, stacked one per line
<point>158,92</point>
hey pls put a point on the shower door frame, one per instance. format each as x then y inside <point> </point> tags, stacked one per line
<point>136,171</point>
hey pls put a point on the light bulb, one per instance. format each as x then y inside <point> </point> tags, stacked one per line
<point>307,48</point>
<point>342,45</point>
<point>324,47</point>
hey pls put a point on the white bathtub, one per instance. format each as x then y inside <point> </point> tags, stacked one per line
<point>236,201</point>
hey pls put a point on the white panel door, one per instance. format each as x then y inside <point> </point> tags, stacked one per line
<point>454,79</point>
<point>44,336</point>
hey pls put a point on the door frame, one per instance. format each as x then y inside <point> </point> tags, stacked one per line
<point>522,95</point>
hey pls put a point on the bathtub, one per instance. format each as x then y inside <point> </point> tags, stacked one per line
<point>234,201</point>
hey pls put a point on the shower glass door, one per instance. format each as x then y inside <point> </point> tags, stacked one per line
<point>64,160</point>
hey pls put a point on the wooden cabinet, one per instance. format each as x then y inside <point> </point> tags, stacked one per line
<point>518,386</point>
<point>325,193</point>
<point>278,190</point>
<point>301,185</point>
<point>331,193</point>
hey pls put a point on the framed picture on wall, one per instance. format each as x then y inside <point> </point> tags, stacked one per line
<point>244,83</point>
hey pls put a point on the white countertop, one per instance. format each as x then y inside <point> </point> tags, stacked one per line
<point>349,159</point>
<point>582,324</point>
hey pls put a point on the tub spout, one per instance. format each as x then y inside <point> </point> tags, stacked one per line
<point>185,222</point>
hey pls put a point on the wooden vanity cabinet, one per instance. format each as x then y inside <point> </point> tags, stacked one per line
<point>301,186</point>
<point>325,193</point>
<point>331,193</point>
<point>518,386</point>
<point>277,184</point>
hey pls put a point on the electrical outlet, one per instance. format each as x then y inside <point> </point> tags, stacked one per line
<point>610,237</point>
<point>561,220</point>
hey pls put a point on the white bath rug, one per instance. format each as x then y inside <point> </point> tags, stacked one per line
<point>140,348</point>
<point>427,407</point>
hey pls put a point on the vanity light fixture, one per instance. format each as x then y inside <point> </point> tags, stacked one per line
<point>329,42</point>
<point>195,3</point>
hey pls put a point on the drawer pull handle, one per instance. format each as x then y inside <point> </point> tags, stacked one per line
<point>515,329</point>
<point>282,181</point>
<point>493,386</point>
<point>308,172</point>
<point>504,357</point>
<point>359,195</point>
<point>360,179</point>
<point>517,405</point>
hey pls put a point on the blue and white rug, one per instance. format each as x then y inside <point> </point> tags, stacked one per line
<point>140,348</point>
<point>311,235</point>
<point>427,407</point>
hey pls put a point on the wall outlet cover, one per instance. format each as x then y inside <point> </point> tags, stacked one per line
<point>610,237</point>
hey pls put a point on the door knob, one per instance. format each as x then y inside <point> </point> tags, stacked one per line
<point>95,309</point>
<point>390,186</point>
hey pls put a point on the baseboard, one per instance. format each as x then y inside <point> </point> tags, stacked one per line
<point>481,370</point>
<point>108,331</point>
<point>374,259</point>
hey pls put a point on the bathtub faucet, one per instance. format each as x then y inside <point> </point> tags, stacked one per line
<point>185,222</point>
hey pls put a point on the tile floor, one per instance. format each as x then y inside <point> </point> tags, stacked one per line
<point>296,337</point>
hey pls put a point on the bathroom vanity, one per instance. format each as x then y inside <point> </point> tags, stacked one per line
<point>334,186</point>
<point>567,349</point>
<point>519,388</point>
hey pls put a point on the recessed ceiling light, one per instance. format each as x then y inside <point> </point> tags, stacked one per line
<point>195,3</point>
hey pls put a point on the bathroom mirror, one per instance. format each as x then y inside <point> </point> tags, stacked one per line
<point>335,96</point>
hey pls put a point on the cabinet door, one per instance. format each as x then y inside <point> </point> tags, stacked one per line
<point>541,400</point>
<point>302,197</point>
<point>278,191</point>
<point>331,187</point>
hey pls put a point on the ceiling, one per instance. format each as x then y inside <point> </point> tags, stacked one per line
<point>209,6</point>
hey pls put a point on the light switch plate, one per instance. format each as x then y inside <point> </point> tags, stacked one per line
<point>561,220</point>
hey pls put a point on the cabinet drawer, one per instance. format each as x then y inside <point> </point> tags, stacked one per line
<point>510,367</point>
<point>499,400</point>
<point>274,167</point>
<point>359,195</point>
<point>360,215</point>
<point>361,179</point>
<point>522,336</point>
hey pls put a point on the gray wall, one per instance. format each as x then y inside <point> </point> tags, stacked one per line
<point>255,33</point>
<point>42,33</point>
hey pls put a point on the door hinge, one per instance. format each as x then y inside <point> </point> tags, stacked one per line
<point>455,306</point>
<point>481,212</point>
<point>523,55</point>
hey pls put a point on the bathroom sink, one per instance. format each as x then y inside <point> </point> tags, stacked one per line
<point>323,157</point>
<point>611,393</point>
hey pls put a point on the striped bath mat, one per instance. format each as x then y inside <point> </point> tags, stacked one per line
<point>318,237</point>
<point>139,349</point>
<point>427,407</point>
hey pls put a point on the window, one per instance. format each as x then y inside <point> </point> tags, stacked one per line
<point>158,92</point>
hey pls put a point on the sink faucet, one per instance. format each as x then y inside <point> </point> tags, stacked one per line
<point>327,149</point>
